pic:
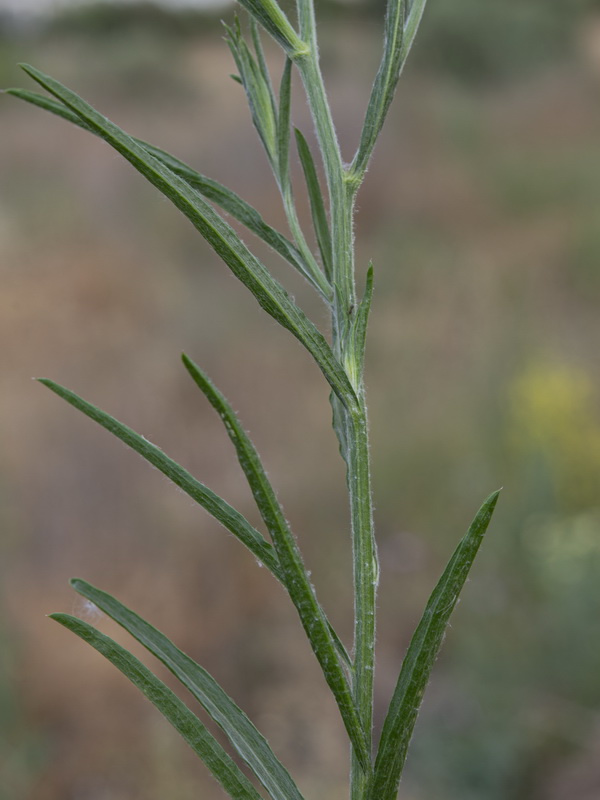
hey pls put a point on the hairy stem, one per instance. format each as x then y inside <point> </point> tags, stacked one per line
<point>341,197</point>
<point>365,579</point>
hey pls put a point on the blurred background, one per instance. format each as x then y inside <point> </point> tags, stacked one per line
<point>481,213</point>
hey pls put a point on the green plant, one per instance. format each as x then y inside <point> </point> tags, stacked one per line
<point>331,273</point>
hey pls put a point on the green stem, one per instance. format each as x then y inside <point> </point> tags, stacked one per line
<point>340,200</point>
<point>342,190</point>
<point>366,574</point>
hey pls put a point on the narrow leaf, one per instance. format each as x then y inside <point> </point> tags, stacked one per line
<point>270,294</point>
<point>362,316</point>
<point>170,706</point>
<point>341,648</point>
<point>317,203</point>
<point>48,104</point>
<point>244,737</point>
<point>420,658</point>
<point>401,25</point>
<point>274,21</point>
<point>338,422</point>
<point>214,191</point>
<point>231,519</point>
<point>283,124</point>
<point>295,577</point>
<point>411,26</point>
<point>262,61</point>
<point>358,332</point>
<point>262,490</point>
<point>258,90</point>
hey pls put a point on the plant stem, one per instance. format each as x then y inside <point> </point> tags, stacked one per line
<point>341,197</point>
<point>365,580</point>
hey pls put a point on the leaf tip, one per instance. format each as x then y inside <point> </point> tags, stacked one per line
<point>188,363</point>
<point>300,138</point>
<point>490,503</point>
<point>27,68</point>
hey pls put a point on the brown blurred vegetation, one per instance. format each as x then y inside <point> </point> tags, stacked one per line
<point>481,214</point>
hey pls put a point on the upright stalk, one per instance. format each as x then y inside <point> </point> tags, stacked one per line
<point>355,442</point>
<point>350,679</point>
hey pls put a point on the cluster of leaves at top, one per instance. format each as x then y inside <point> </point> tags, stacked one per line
<point>331,272</point>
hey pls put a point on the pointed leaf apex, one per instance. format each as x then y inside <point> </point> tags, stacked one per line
<point>493,499</point>
<point>32,71</point>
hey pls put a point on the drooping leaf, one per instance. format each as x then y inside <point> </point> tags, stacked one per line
<point>420,658</point>
<point>270,294</point>
<point>295,576</point>
<point>317,204</point>
<point>231,519</point>
<point>214,191</point>
<point>401,25</point>
<point>224,769</point>
<point>243,735</point>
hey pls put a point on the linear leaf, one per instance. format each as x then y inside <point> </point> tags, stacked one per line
<point>241,210</point>
<point>295,577</point>
<point>362,317</point>
<point>262,61</point>
<point>262,490</point>
<point>283,124</point>
<point>48,104</point>
<point>231,519</point>
<point>275,22</point>
<point>252,747</point>
<point>401,25</point>
<point>214,191</point>
<point>338,422</point>
<point>224,240</point>
<point>258,90</point>
<point>177,713</point>
<point>358,331</point>
<point>420,657</point>
<point>340,647</point>
<point>317,204</point>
